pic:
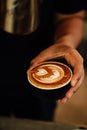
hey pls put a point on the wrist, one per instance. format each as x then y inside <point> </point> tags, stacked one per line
<point>66,40</point>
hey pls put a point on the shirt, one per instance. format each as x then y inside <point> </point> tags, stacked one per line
<point>69,6</point>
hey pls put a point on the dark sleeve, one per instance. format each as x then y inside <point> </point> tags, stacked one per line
<point>69,6</point>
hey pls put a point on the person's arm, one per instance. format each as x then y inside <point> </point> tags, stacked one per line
<point>70,28</point>
<point>68,35</point>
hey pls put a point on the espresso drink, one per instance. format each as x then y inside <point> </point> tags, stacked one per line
<point>49,75</point>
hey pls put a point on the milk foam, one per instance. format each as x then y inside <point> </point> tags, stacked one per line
<point>48,74</point>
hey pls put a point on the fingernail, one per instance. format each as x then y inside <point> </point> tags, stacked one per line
<point>73,83</point>
<point>64,100</point>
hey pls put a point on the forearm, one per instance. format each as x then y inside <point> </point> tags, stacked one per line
<point>70,29</point>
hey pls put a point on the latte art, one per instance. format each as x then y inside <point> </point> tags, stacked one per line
<point>49,75</point>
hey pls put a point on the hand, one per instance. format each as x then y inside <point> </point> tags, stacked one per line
<point>72,57</point>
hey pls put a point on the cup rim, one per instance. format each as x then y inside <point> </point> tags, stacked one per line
<point>50,88</point>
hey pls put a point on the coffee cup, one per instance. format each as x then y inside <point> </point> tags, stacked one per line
<point>50,79</point>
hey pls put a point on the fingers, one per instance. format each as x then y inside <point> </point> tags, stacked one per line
<point>78,75</point>
<point>50,53</point>
<point>39,58</point>
<point>78,72</point>
<point>73,89</point>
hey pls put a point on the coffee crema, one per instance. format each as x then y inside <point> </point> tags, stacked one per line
<point>49,75</point>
